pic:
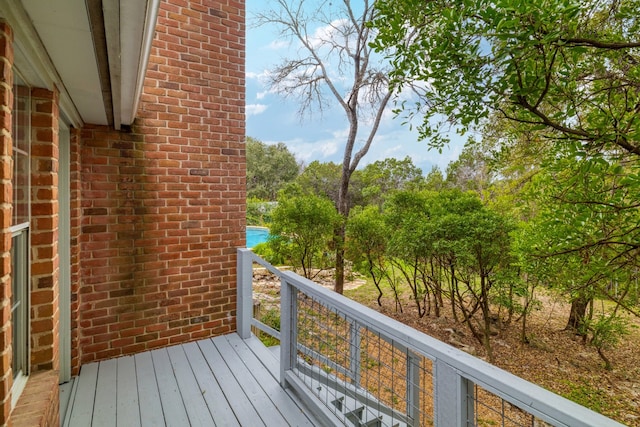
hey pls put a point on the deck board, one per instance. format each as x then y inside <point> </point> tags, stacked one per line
<point>197,409</point>
<point>148,394</point>
<point>265,379</point>
<point>240,403</point>
<point>173,407</point>
<point>211,391</point>
<point>105,403</point>
<point>80,412</point>
<point>221,381</point>
<point>127,409</point>
<point>256,394</point>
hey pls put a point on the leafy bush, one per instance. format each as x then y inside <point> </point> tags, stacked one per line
<point>302,232</point>
<point>259,211</point>
<point>265,251</point>
<point>270,318</point>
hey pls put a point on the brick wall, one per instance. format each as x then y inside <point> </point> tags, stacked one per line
<point>75,210</point>
<point>163,206</point>
<point>44,230</point>
<point>39,404</point>
<point>6,101</point>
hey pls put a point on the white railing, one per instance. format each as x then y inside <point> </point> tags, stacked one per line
<point>359,367</point>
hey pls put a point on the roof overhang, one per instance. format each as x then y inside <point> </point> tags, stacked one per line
<point>95,52</point>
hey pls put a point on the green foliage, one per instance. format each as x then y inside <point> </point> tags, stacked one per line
<point>269,168</point>
<point>381,178</point>
<point>471,171</point>
<point>584,235</point>
<point>569,68</point>
<point>259,211</point>
<point>323,179</point>
<point>270,318</point>
<point>266,251</point>
<point>366,235</point>
<point>606,330</point>
<point>434,180</point>
<point>594,398</point>
<point>563,78</point>
<point>302,230</point>
<point>317,178</point>
<point>448,244</point>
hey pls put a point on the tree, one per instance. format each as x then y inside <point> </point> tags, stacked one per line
<point>410,247</point>
<point>382,177</point>
<point>301,230</point>
<point>269,168</point>
<point>587,228</point>
<point>567,71</point>
<point>451,237</point>
<point>471,171</point>
<point>334,63</point>
<point>366,245</point>
<point>434,180</point>
<point>321,179</point>
<point>568,67</point>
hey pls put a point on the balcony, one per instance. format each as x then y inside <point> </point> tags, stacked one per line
<point>338,363</point>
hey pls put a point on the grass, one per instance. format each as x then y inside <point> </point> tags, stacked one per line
<point>270,318</point>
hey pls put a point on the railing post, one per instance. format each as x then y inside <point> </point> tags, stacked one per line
<point>244,292</point>
<point>355,356</point>
<point>413,387</point>
<point>453,406</point>
<point>288,329</point>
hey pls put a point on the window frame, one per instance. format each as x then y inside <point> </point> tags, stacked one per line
<point>21,239</point>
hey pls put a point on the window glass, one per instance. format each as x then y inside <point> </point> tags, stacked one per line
<point>19,299</point>
<point>20,133</point>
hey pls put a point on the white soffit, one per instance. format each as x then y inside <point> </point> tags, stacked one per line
<point>55,46</point>
<point>63,27</point>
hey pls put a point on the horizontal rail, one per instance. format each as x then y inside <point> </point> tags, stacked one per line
<point>265,328</point>
<point>530,397</point>
<point>454,372</point>
<point>350,390</point>
<point>244,285</point>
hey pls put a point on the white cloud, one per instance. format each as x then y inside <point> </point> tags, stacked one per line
<point>320,150</point>
<point>278,45</point>
<point>334,31</point>
<point>255,109</point>
<point>323,150</point>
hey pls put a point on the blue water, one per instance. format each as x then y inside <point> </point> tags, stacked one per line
<point>256,235</point>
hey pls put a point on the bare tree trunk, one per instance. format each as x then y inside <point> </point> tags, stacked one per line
<point>366,78</point>
<point>339,286</point>
<point>343,210</point>
<point>454,289</point>
<point>486,315</point>
<point>577,314</point>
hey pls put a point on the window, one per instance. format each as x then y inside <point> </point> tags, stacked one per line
<point>21,125</point>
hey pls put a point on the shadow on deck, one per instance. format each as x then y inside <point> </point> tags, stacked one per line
<point>223,381</point>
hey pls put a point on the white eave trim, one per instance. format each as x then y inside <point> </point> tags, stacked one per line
<point>39,69</point>
<point>135,51</point>
<point>112,17</point>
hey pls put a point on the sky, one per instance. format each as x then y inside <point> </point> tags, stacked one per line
<point>272,118</point>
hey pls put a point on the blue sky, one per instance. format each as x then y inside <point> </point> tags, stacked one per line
<point>272,118</point>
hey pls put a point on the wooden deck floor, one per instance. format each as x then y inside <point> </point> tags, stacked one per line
<point>224,381</point>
